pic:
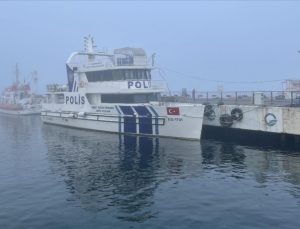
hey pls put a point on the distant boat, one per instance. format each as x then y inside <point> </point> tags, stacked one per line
<point>18,99</point>
<point>115,93</point>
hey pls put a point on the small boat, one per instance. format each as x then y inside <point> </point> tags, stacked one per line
<point>114,92</point>
<point>18,99</point>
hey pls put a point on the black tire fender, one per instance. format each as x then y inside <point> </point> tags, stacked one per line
<point>226,120</point>
<point>237,114</point>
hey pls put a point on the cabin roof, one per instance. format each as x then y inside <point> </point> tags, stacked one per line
<point>130,51</point>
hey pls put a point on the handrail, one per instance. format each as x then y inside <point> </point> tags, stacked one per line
<point>276,98</point>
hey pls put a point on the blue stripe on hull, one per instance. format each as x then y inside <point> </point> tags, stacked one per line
<point>129,122</point>
<point>145,123</point>
<point>119,118</point>
<point>156,120</point>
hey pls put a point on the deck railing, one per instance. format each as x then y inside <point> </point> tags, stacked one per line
<point>275,98</point>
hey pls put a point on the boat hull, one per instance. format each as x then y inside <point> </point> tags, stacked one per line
<point>156,123</point>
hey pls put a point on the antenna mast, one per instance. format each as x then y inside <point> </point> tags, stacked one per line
<point>17,74</point>
<point>89,46</point>
<point>34,81</point>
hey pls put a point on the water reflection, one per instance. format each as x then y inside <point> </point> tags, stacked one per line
<point>264,163</point>
<point>136,182</point>
<point>121,174</point>
<point>228,158</point>
<point>220,153</point>
<point>93,177</point>
<point>18,132</point>
<point>106,170</point>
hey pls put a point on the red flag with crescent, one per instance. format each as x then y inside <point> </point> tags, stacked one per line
<point>173,111</point>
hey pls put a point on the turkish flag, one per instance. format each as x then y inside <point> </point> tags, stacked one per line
<point>173,110</point>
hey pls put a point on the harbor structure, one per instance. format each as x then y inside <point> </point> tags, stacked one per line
<point>259,117</point>
<point>18,98</point>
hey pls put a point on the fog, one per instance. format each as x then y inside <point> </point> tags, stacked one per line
<point>238,45</point>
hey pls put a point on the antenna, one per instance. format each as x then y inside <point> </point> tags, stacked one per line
<point>35,81</point>
<point>17,74</point>
<point>89,44</point>
<point>153,58</point>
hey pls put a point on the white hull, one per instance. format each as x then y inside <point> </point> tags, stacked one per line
<point>187,125</point>
<point>21,112</point>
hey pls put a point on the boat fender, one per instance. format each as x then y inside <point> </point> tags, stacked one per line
<point>226,120</point>
<point>75,115</point>
<point>81,114</point>
<point>209,112</point>
<point>270,119</point>
<point>70,115</point>
<point>212,115</point>
<point>237,114</point>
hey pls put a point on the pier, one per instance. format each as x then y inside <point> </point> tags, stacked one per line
<point>262,117</point>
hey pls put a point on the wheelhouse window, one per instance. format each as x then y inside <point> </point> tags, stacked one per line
<point>125,61</point>
<point>49,98</point>
<point>118,74</point>
<point>130,98</point>
<point>59,98</point>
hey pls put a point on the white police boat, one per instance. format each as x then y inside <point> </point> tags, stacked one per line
<point>115,93</point>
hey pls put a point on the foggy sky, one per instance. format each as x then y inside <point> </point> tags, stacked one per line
<point>223,41</point>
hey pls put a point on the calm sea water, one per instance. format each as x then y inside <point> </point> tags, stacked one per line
<point>55,177</point>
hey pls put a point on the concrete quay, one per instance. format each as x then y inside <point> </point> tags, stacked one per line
<point>265,125</point>
<point>264,118</point>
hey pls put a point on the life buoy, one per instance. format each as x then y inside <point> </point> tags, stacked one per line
<point>226,120</point>
<point>237,114</point>
<point>270,119</point>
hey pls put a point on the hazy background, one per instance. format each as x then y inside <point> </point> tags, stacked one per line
<point>223,41</point>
